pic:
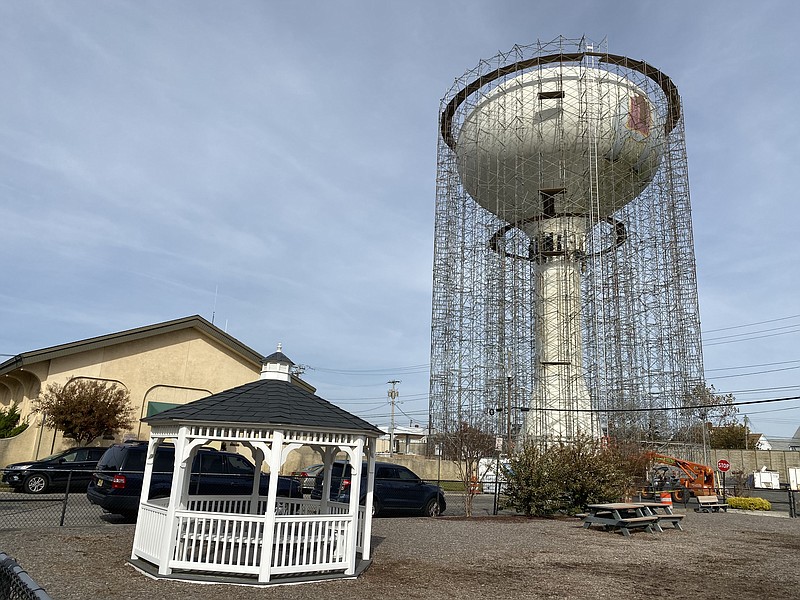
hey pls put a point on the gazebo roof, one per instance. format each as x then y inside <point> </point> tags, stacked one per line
<point>266,402</point>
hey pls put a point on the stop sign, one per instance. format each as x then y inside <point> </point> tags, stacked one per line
<point>723,464</point>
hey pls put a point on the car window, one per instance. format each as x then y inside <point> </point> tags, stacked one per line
<point>212,463</point>
<point>164,461</point>
<point>112,459</point>
<point>134,460</point>
<point>69,456</point>
<point>95,453</point>
<point>406,475</point>
<point>81,455</point>
<point>239,465</point>
<point>385,473</point>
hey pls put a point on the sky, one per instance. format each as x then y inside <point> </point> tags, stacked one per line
<point>271,167</point>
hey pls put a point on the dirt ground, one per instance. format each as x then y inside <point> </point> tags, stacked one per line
<point>716,556</point>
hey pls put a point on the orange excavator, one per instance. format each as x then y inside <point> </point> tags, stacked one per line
<point>681,478</point>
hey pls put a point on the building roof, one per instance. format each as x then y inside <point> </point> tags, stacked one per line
<point>266,402</point>
<point>196,322</point>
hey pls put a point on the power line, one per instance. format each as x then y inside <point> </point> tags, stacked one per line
<point>751,324</point>
<point>757,372</point>
<point>665,408</point>
<point>785,362</point>
<point>408,369</point>
<point>745,339</point>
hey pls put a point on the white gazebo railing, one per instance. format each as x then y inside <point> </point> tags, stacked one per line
<point>218,534</point>
<point>237,542</point>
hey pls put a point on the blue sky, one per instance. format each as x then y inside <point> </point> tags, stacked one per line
<point>272,165</point>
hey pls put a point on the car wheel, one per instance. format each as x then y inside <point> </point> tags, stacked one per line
<point>376,508</point>
<point>35,484</point>
<point>432,508</point>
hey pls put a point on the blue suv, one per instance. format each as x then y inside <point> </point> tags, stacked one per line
<point>397,489</point>
<point>116,485</point>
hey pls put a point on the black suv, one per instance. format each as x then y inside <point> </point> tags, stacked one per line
<point>397,488</point>
<point>117,483</point>
<point>53,472</point>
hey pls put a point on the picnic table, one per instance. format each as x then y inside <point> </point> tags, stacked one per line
<point>663,511</point>
<point>621,516</point>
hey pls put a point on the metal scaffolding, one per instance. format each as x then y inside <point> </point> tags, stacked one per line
<point>564,286</point>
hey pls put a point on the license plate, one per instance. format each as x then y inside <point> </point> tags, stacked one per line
<point>99,483</point>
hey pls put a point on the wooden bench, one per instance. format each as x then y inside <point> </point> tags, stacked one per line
<point>710,504</point>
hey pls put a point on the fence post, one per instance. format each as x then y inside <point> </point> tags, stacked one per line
<point>792,507</point>
<point>66,499</point>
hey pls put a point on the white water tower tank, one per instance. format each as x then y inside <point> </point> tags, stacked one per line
<point>587,133</point>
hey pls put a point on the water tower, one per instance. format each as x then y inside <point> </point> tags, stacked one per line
<point>565,298</point>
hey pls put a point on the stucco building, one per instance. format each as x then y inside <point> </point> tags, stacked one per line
<point>160,365</point>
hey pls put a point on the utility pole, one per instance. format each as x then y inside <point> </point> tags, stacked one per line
<point>745,432</point>
<point>393,394</point>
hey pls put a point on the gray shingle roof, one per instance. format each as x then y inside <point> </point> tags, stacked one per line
<point>266,401</point>
<point>279,357</point>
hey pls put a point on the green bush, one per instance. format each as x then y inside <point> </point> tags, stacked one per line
<point>565,478</point>
<point>9,419</point>
<point>748,503</point>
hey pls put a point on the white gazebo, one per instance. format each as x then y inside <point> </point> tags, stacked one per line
<point>255,538</point>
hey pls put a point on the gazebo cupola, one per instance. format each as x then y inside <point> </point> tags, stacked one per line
<point>277,366</point>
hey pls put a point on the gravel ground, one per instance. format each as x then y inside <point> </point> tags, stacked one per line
<point>720,555</point>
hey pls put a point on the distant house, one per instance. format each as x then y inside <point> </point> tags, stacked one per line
<point>407,440</point>
<point>161,366</point>
<point>757,441</point>
<point>791,444</point>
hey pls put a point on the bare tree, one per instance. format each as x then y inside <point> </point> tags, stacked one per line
<point>467,446</point>
<point>85,409</point>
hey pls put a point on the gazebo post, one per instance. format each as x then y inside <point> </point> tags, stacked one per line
<point>327,460</point>
<point>356,462</point>
<point>268,538</point>
<point>146,479</point>
<point>366,544</point>
<point>258,460</point>
<point>168,535</point>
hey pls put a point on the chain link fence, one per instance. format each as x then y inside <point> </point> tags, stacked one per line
<point>60,502</point>
<point>16,584</point>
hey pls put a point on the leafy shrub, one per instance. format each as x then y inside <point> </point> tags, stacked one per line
<point>748,503</point>
<point>9,419</point>
<point>567,477</point>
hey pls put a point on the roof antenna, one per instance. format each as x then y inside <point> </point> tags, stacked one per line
<point>214,310</point>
